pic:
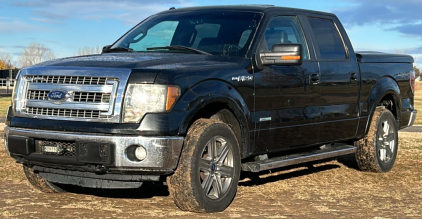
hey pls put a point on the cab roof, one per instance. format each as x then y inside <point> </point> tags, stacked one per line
<point>250,8</point>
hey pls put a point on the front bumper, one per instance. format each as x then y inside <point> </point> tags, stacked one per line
<point>412,117</point>
<point>162,152</point>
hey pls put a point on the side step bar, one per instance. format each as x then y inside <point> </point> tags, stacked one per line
<point>293,159</point>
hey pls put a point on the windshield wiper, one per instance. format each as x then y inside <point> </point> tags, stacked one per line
<point>120,49</point>
<point>180,48</point>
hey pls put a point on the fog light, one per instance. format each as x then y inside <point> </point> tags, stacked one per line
<point>140,153</point>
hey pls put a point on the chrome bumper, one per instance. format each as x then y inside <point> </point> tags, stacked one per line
<point>412,117</point>
<point>162,152</point>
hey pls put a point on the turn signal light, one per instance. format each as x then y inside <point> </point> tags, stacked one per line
<point>290,58</point>
<point>172,94</point>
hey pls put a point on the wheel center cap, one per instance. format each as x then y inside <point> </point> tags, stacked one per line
<point>212,166</point>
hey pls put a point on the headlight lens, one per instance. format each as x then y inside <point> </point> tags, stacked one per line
<point>147,98</point>
<point>15,87</point>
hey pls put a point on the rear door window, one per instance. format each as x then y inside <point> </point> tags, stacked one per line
<point>328,39</point>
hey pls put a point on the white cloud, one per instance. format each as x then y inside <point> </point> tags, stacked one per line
<point>3,50</point>
<point>45,20</point>
<point>16,27</point>
<point>128,11</point>
<point>402,16</point>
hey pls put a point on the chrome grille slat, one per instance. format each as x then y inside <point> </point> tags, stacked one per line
<point>86,97</point>
<point>68,105</point>
<point>87,114</point>
<point>70,87</point>
<point>68,79</point>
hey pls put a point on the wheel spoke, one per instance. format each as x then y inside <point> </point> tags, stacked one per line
<point>382,154</point>
<point>224,151</point>
<point>386,127</point>
<point>207,183</point>
<point>226,171</point>
<point>380,136</point>
<point>388,151</point>
<point>204,165</point>
<point>218,186</point>
<point>390,137</point>
<point>380,142</point>
<point>212,148</point>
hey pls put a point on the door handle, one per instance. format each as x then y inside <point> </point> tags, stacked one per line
<point>314,79</point>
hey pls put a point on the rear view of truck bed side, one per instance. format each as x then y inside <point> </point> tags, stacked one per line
<point>387,80</point>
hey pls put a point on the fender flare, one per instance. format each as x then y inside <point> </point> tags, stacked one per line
<point>215,91</point>
<point>383,87</point>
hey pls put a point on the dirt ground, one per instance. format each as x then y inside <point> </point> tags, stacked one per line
<point>332,189</point>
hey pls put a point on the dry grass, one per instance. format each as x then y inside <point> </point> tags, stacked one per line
<point>4,105</point>
<point>9,170</point>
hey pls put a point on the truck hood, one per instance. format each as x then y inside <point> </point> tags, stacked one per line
<point>138,60</point>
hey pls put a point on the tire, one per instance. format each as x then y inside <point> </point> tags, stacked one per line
<point>203,182</point>
<point>377,151</point>
<point>41,184</point>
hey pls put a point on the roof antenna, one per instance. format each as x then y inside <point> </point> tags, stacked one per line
<point>172,8</point>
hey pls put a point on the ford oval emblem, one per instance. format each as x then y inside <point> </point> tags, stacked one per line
<point>57,96</point>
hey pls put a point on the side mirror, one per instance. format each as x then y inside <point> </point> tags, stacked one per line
<point>106,49</point>
<point>283,54</point>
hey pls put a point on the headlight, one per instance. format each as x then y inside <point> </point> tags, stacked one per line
<point>147,98</point>
<point>15,87</point>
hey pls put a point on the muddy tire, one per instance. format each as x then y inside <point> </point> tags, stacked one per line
<point>377,151</point>
<point>39,183</point>
<point>209,168</point>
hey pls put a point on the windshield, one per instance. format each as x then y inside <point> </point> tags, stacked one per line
<point>224,33</point>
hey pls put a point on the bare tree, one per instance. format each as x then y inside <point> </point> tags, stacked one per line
<point>89,50</point>
<point>2,65</point>
<point>6,59</point>
<point>34,54</point>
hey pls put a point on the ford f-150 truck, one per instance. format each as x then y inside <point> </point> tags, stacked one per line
<point>193,96</point>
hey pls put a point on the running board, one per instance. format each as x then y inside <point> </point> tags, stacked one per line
<point>293,159</point>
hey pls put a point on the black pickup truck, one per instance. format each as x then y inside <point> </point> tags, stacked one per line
<point>193,96</point>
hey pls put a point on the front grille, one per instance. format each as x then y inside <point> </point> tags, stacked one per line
<point>86,114</point>
<point>87,97</point>
<point>69,80</point>
<point>66,149</point>
<point>74,94</point>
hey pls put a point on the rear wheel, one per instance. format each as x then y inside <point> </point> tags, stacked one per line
<point>377,151</point>
<point>41,184</point>
<point>209,168</point>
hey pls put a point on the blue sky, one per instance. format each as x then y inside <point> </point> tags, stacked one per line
<point>65,26</point>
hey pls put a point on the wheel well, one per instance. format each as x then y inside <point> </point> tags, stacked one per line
<point>389,103</point>
<point>222,112</point>
<point>207,111</point>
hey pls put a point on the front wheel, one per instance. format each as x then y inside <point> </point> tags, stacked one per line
<point>209,168</point>
<point>377,151</point>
